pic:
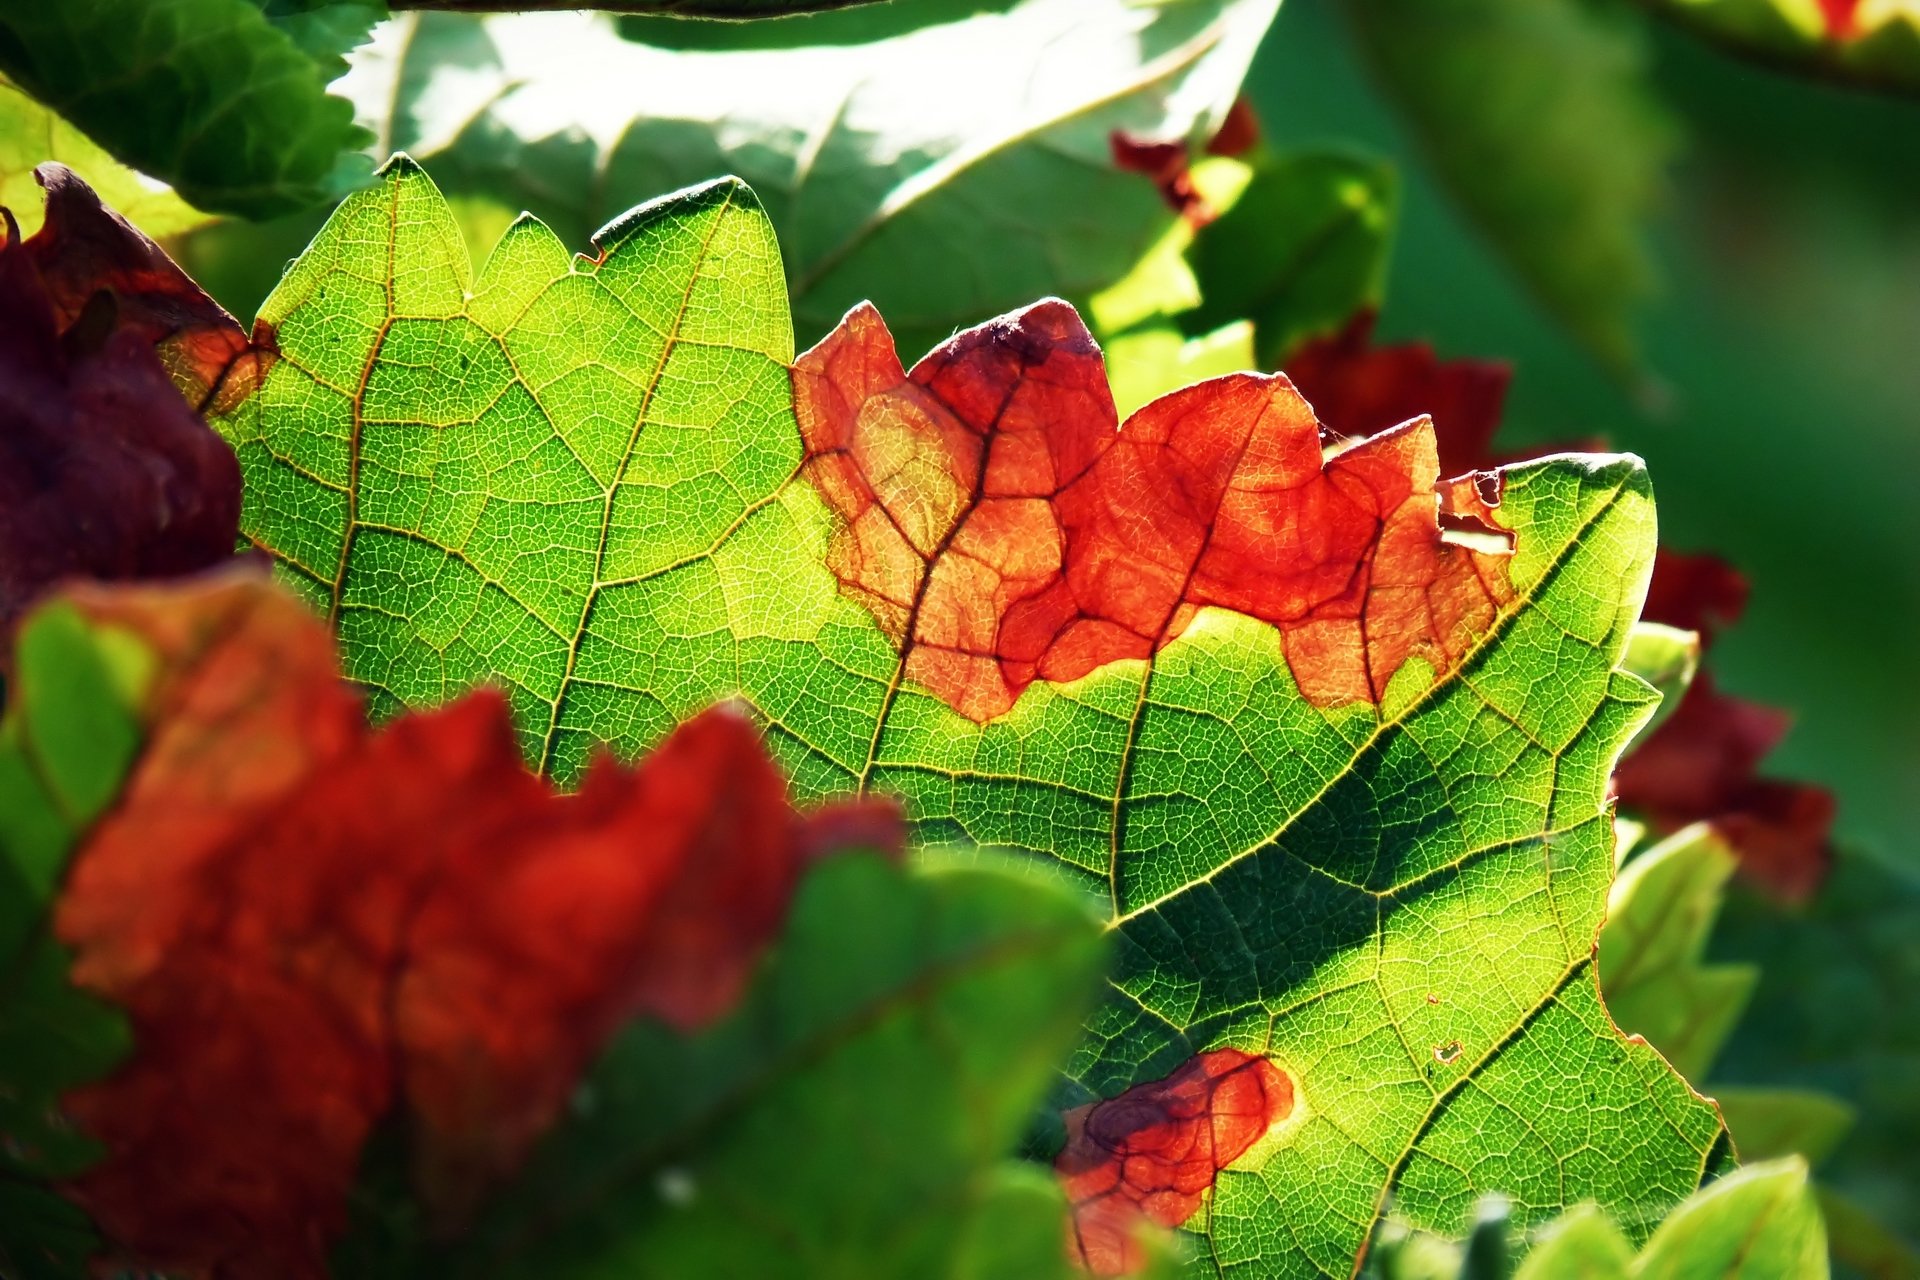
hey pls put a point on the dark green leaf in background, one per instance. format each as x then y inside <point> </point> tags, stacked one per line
<point>1536,116</point>
<point>225,99</point>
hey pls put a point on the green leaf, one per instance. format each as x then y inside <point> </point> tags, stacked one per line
<point>1759,1223</point>
<point>224,99</point>
<point>1666,658</point>
<point>1769,1123</point>
<point>30,135</point>
<point>1534,114</point>
<point>579,479</point>
<point>1582,1245</point>
<point>66,741</point>
<point>1838,1010</point>
<point>848,1120</point>
<point>1883,52</point>
<point>1302,248</point>
<point>1652,966</point>
<point>947,174</point>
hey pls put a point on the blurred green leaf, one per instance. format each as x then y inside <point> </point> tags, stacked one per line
<point>1581,1245</point>
<point>1862,1244</point>
<point>1760,1222</point>
<point>849,1120</point>
<point>1769,1123</point>
<point>66,741</point>
<point>224,99</point>
<point>1301,249</point>
<point>946,174</point>
<point>1666,658</point>
<point>1657,985</point>
<point>1534,113</point>
<point>1878,48</point>
<point>1838,1009</point>
<point>30,135</point>
<point>1146,363</point>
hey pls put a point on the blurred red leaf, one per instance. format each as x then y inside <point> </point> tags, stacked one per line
<point>311,924</point>
<point>1153,1152</point>
<point>1169,164</point>
<point>105,471</point>
<point>1359,389</point>
<point>1003,528</point>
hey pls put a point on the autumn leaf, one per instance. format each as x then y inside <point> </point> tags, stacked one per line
<point>308,924</point>
<point>108,472</point>
<point>1337,767</point>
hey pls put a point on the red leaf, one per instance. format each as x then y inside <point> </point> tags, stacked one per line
<point>1003,529</point>
<point>105,472</point>
<point>310,924</point>
<point>1153,1153</point>
<point>83,248</point>
<point>1842,18</point>
<point>1169,164</point>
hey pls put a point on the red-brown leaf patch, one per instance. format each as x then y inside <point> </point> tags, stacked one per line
<point>312,925</point>
<point>1152,1153</point>
<point>1003,527</point>
<point>105,472</point>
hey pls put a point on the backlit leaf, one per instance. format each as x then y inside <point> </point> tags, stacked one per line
<point>1336,766</point>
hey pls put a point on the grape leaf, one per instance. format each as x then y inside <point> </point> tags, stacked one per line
<point>224,99</point>
<point>1556,158</point>
<point>1338,772</point>
<point>108,472</point>
<point>946,173</point>
<point>31,135</point>
<point>1863,43</point>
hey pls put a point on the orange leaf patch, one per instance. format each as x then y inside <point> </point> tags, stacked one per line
<point>1003,527</point>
